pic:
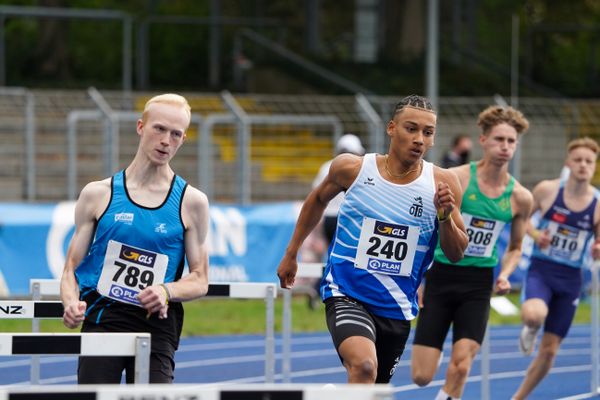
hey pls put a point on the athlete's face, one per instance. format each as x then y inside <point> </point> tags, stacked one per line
<point>500,143</point>
<point>411,133</point>
<point>163,132</point>
<point>582,164</point>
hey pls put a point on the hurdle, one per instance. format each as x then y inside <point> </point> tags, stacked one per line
<point>595,353</point>
<point>197,392</point>
<point>83,344</point>
<point>305,270</point>
<point>41,288</point>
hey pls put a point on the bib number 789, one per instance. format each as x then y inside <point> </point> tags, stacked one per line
<point>133,276</point>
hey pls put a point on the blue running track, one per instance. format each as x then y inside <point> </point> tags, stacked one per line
<point>240,359</point>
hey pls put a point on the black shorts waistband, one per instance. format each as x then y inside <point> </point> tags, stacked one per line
<point>443,271</point>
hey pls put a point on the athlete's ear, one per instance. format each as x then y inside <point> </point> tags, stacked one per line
<point>390,127</point>
<point>139,126</point>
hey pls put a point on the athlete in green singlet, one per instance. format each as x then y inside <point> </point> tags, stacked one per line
<point>459,293</point>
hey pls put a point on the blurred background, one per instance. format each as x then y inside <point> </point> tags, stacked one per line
<point>347,61</point>
<point>272,85</point>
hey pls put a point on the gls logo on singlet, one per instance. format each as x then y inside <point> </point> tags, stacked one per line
<point>137,256</point>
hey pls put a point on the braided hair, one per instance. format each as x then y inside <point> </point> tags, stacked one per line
<point>415,101</point>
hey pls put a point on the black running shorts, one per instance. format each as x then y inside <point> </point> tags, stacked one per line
<point>454,295</point>
<point>347,317</point>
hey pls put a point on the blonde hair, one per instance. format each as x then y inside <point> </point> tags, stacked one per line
<point>171,99</point>
<point>496,115</point>
<point>586,142</point>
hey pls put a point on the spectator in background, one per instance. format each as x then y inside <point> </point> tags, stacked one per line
<point>348,143</point>
<point>460,152</point>
<point>124,266</point>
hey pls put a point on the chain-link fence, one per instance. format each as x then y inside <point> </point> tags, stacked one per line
<point>281,157</point>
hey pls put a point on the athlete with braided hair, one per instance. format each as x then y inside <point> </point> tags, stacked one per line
<point>458,292</point>
<point>396,208</point>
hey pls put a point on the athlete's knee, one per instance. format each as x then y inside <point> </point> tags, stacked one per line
<point>547,353</point>
<point>533,313</point>
<point>362,371</point>
<point>460,368</point>
<point>422,376</point>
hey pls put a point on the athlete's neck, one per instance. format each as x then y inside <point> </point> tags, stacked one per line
<point>492,174</point>
<point>576,188</point>
<point>145,174</point>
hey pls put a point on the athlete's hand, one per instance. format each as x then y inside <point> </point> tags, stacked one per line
<point>444,200</point>
<point>596,250</point>
<point>420,290</point>
<point>154,299</point>
<point>287,271</point>
<point>542,238</point>
<point>502,285</point>
<point>74,314</point>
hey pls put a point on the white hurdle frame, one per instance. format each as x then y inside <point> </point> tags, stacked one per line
<point>40,288</point>
<point>305,270</point>
<point>204,392</point>
<point>84,344</point>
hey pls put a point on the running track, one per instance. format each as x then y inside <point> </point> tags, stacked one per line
<point>240,359</point>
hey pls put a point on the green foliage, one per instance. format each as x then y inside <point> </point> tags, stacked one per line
<point>557,46</point>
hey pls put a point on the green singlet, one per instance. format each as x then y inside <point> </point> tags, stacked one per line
<point>484,220</point>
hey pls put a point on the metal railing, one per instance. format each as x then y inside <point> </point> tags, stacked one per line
<point>224,163</point>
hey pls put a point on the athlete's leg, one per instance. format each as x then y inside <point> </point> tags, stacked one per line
<point>540,366</point>
<point>433,324</point>
<point>533,313</point>
<point>468,331</point>
<point>537,296</point>
<point>360,359</point>
<point>392,335</point>
<point>100,370</point>
<point>353,332</point>
<point>463,353</point>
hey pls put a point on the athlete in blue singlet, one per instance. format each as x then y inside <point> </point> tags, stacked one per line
<point>570,219</point>
<point>386,233</point>
<point>124,265</point>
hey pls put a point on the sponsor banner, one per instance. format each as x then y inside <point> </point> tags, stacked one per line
<point>245,243</point>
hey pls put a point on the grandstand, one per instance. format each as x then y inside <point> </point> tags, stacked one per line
<point>284,158</point>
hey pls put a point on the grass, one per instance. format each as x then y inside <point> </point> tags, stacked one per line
<point>232,316</point>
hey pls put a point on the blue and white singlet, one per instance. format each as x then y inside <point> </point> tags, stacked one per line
<point>134,246</point>
<point>570,232</point>
<point>384,242</point>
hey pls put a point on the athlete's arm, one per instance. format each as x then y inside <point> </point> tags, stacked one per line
<point>92,201</point>
<point>522,203</point>
<point>343,171</point>
<point>447,200</point>
<point>543,196</point>
<point>195,216</point>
